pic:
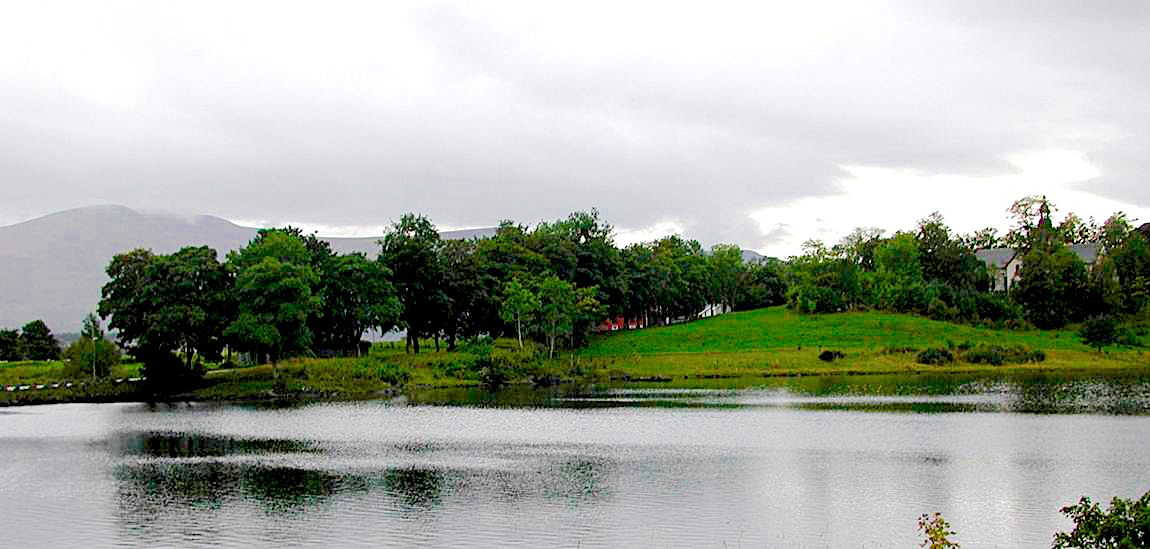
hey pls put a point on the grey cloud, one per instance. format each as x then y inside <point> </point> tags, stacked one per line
<point>645,117</point>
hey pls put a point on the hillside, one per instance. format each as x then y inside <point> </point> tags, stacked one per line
<point>776,339</point>
<point>53,266</point>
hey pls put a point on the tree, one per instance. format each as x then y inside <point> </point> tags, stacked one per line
<point>558,306</point>
<point>11,346</point>
<point>1031,216</point>
<point>897,283</point>
<point>946,259</point>
<point>1073,230</point>
<point>38,341</point>
<point>1052,285</point>
<point>91,355</point>
<point>764,286</point>
<point>520,303</point>
<point>357,296</point>
<point>858,247</point>
<point>1099,331</point>
<point>1125,525</point>
<point>411,251</point>
<point>128,298</point>
<point>726,274</point>
<point>981,239</point>
<point>165,304</point>
<point>1130,253</point>
<point>194,305</point>
<point>274,301</point>
<point>465,294</point>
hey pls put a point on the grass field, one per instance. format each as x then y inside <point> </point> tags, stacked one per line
<point>51,371</point>
<point>776,341</point>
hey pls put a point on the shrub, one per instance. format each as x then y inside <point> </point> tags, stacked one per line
<point>997,355</point>
<point>506,361</point>
<point>899,350</point>
<point>1125,524</point>
<point>89,357</point>
<point>937,532</point>
<point>392,374</point>
<point>1099,331</point>
<point>935,357</point>
<point>938,310</point>
<point>831,356</point>
<point>167,373</point>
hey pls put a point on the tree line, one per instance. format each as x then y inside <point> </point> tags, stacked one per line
<point>288,294</point>
<point>933,271</point>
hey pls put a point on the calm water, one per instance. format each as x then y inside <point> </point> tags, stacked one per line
<point>801,463</point>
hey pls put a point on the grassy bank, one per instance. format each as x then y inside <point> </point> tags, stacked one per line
<point>52,371</point>
<point>778,342</point>
<point>749,346</point>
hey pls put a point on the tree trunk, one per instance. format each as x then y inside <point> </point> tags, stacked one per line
<point>415,343</point>
<point>519,329</point>
<point>407,343</point>
<point>437,343</point>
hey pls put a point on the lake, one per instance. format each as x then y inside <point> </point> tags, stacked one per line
<point>806,462</point>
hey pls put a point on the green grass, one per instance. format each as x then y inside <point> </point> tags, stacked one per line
<point>51,371</point>
<point>777,341</point>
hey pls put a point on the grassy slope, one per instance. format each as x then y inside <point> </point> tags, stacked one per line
<point>776,341</point>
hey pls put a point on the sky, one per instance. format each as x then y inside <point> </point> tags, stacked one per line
<point>763,124</point>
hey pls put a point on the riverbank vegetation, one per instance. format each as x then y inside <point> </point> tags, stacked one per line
<point>560,301</point>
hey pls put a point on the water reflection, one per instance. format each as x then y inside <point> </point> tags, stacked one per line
<point>590,467</point>
<point>1041,393</point>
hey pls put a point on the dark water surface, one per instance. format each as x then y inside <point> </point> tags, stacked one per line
<point>826,462</point>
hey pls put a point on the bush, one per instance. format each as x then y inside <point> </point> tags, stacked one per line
<point>935,357</point>
<point>997,355</point>
<point>1125,524</point>
<point>167,373</point>
<point>505,361</point>
<point>86,355</point>
<point>1099,331</point>
<point>899,350</point>
<point>831,356</point>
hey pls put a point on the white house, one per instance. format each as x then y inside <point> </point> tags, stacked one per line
<point>1005,264</point>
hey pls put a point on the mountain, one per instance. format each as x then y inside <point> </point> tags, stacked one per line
<point>52,267</point>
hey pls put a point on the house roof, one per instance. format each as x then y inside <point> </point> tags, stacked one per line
<point>996,257</point>
<point>999,257</point>
<point>1086,252</point>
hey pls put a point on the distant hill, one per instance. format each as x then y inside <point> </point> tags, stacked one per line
<point>52,267</point>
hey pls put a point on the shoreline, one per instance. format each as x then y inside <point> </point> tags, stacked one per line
<point>260,390</point>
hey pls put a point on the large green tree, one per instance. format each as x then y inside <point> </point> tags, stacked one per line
<point>11,347</point>
<point>726,274</point>
<point>410,249</point>
<point>1052,285</point>
<point>38,341</point>
<point>274,302</point>
<point>466,297</point>
<point>163,304</point>
<point>275,296</point>
<point>947,259</point>
<point>356,296</point>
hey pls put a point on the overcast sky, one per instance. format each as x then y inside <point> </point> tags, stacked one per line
<point>760,123</point>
